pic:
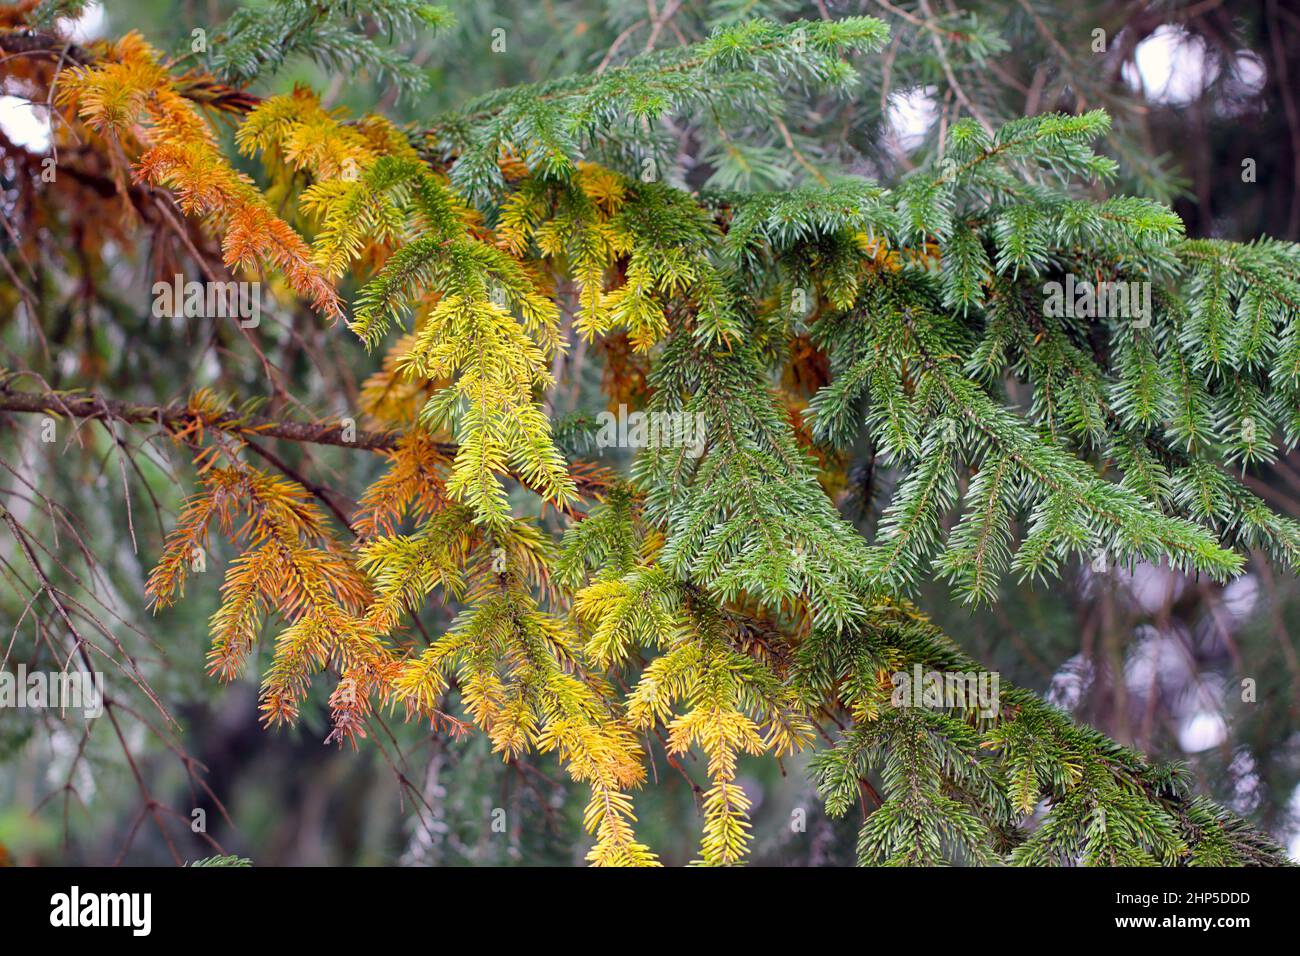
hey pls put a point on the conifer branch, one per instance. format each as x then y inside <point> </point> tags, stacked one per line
<point>183,420</point>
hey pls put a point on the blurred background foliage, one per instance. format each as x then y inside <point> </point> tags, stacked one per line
<point>1204,99</point>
